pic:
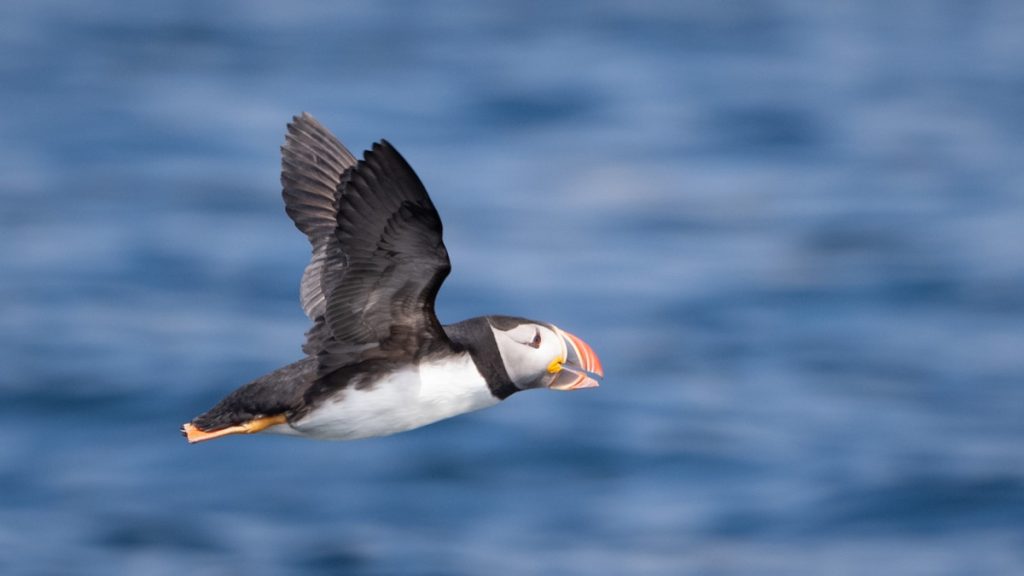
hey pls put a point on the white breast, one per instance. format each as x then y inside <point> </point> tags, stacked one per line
<point>399,401</point>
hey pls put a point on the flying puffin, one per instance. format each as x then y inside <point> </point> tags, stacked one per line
<point>377,360</point>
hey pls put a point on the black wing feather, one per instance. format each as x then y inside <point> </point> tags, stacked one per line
<point>313,162</point>
<point>385,267</point>
<point>378,258</point>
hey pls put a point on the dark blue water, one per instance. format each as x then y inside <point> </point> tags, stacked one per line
<point>794,231</point>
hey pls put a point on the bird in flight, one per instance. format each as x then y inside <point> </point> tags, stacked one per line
<point>377,360</point>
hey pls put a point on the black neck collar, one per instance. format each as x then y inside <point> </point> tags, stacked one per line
<point>475,336</point>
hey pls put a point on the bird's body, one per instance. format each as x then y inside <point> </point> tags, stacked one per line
<point>378,361</point>
<point>399,400</point>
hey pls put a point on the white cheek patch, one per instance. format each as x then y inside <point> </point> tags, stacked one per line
<point>524,363</point>
<point>516,356</point>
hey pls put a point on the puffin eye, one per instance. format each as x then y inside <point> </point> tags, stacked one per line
<point>535,343</point>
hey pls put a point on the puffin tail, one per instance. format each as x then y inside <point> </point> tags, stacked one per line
<point>195,434</point>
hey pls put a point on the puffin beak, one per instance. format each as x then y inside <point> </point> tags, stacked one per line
<point>578,362</point>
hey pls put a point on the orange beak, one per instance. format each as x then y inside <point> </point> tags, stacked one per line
<point>576,366</point>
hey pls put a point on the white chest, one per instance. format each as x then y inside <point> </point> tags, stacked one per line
<point>399,401</point>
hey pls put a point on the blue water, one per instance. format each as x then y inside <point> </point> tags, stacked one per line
<point>794,231</point>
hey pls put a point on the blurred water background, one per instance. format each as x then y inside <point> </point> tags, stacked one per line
<point>793,230</point>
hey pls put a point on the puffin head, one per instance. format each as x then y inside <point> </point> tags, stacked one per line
<point>541,355</point>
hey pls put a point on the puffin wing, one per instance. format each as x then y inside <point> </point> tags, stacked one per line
<point>313,162</point>
<point>383,267</point>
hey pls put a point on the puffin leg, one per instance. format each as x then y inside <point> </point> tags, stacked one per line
<point>193,434</point>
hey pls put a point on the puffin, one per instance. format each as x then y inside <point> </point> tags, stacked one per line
<point>377,361</point>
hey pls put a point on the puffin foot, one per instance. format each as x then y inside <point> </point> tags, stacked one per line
<point>194,434</point>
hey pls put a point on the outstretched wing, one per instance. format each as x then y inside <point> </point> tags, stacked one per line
<point>382,271</point>
<point>378,258</point>
<point>312,164</point>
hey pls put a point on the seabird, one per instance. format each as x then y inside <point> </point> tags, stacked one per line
<point>377,360</point>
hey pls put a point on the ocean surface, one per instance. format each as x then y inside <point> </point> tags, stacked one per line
<point>793,231</point>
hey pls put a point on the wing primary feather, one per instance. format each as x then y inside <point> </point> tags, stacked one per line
<point>385,267</point>
<point>313,162</point>
<point>378,258</point>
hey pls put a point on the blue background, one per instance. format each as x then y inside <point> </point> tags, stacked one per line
<point>794,231</point>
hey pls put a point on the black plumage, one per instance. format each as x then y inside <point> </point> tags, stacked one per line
<point>474,336</point>
<point>281,391</point>
<point>313,163</point>
<point>384,266</point>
